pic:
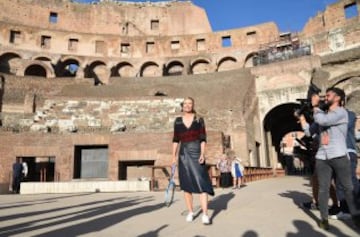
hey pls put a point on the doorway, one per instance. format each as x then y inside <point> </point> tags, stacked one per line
<point>40,169</point>
<point>135,170</point>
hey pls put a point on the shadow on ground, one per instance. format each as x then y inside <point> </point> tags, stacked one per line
<point>304,228</point>
<point>220,203</point>
<point>113,215</point>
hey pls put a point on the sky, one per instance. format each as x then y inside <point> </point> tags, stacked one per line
<point>289,15</point>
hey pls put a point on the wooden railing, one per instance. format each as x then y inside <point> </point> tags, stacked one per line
<point>250,174</point>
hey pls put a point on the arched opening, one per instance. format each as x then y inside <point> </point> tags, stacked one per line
<point>294,155</point>
<point>150,69</point>
<point>123,69</point>
<point>43,58</point>
<point>353,102</point>
<point>174,68</point>
<point>5,61</point>
<point>68,68</point>
<point>226,64</point>
<point>277,123</point>
<point>35,70</point>
<point>200,66</point>
<point>250,60</point>
<point>90,69</point>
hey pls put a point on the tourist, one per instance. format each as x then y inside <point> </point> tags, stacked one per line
<point>17,175</point>
<point>224,166</point>
<point>190,134</point>
<point>24,170</point>
<point>352,154</point>
<point>237,172</point>
<point>332,153</point>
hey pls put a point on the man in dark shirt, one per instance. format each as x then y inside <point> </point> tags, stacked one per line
<point>17,175</point>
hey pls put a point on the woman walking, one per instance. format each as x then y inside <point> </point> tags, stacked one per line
<point>190,134</point>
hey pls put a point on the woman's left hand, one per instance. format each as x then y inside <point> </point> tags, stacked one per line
<point>201,159</point>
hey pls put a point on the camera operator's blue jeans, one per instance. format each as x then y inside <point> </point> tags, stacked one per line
<point>342,169</point>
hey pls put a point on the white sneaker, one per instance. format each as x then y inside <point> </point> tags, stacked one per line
<point>190,217</point>
<point>205,220</point>
<point>341,216</point>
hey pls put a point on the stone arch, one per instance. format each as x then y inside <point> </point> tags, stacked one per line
<point>68,67</point>
<point>200,66</point>
<point>35,69</point>
<point>44,58</point>
<point>8,61</point>
<point>250,60</point>
<point>73,57</point>
<point>279,121</point>
<point>150,69</point>
<point>343,78</point>
<point>353,99</point>
<point>91,67</point>
<point>123,69</point>
<point>174,68</point>
<point>227,63</point>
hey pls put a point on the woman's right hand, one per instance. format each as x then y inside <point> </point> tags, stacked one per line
<point>174,160</point>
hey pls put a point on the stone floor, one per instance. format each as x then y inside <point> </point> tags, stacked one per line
<point>263,208</point>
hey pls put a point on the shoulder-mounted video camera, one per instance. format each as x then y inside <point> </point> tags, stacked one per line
<point>305,104</point>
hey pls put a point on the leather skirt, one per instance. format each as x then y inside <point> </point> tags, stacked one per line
<point>193,177</point>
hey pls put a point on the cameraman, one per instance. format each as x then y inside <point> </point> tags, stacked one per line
<point>332,153</point>
<point>312,131</point>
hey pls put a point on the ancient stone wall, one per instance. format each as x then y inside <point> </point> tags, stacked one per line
<point>48,109</point>
<point>332,30</point>
<point>108,18</point>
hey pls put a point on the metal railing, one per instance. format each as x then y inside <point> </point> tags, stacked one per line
<point>250,174</point>
<point>268,56</point>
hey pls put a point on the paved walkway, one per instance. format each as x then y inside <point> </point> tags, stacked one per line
<point>263,208</point>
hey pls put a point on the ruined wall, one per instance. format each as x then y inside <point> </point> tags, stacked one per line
<point>108,18</point>
<point>332,30</point>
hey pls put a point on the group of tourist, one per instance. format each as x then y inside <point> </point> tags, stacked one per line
<point>231,171</point>
<point>334,159</point>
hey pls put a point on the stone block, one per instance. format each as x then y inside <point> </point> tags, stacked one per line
<point>118,127</point>
<point>39,128</point>
<point>66,125</point>
<point>94,122</point>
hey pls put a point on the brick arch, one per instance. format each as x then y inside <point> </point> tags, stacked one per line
<point>89,69</point>
<point>68,67</point>
<point>17,54</point>
<point>226,63</point>
<point>249,59</point>
<point>200,66</point>
<point>123,69</point>
<point>174,68</point>
<point>45,58</point>
<point>6,60</point>
<point>343,78</point>
<point>72,57</point>
<point>150,69</point>
<point>279,121</point>
<point>37,68</point>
